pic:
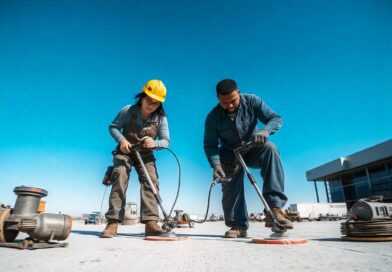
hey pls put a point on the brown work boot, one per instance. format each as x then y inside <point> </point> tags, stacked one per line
<point>111,229</point>
<point>280,216</point>
<point>236,233</point>
<point>153,229</point>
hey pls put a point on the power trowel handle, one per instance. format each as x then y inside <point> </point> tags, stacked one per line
<point>244,146</point>
<point>136,146</point>
<point>220,180</point>
<point>248,145</point>
<point>139,145</point>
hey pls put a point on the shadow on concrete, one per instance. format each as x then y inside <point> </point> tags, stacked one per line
<point>327,239</point>
<point>201,235</point>
<point>135,235</point>
<point>86,232</point>
<point>197,236</point>
<point>207,237</point>
<point>212,237</point>
<point>98,233</point>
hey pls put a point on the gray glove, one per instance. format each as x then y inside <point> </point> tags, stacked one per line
<point>218,172</point>
<point>260,137</point>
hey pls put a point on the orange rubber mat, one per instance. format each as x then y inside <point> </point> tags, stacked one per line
<point>158,238</point>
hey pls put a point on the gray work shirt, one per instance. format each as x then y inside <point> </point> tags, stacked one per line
<point>124,116</point>
<point>223,134</point>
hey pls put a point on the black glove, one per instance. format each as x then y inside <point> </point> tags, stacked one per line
<point>218,172</point>
<point>260,137</point>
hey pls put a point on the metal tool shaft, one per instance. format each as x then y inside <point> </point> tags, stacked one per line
<point>158,198</point>
<point>252,180</point>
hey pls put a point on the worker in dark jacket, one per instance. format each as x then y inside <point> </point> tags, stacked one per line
<point>230,123</point>
<point>143,122</point>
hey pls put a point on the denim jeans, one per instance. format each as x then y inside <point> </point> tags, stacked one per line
<point>267,159</point>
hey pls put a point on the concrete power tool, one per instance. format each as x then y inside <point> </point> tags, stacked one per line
<point>277,227</point>
<point>168,223</point>
<point>279,235</point>
<point>41,227</point>
<point>167,226</point>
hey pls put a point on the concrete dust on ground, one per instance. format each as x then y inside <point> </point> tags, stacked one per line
<point>204,250</point>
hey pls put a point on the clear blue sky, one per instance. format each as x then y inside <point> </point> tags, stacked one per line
<point>68,67</point>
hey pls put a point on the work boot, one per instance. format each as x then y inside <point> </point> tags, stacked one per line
<point>111,229</point>
<point>280,216</point>
<point>153,229</point>
<point>236,233</point>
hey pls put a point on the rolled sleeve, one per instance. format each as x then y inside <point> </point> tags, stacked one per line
<point>271,120</point>
<point>211,141</point>
<point>118,124</point>
<point>163,139</point>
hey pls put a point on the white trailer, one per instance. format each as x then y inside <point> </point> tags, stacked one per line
<point>317,211</point>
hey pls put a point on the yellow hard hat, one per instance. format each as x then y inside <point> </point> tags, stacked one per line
<point>155,89</point>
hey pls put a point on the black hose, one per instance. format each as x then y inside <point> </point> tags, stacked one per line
<point>179,177</point>
<point>179,187</point>
<point>213,183</point>
<point>179,180</point>
<point>208,205</point>
<point>103,198</point>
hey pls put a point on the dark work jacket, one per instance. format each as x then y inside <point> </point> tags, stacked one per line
<point>222,134</point>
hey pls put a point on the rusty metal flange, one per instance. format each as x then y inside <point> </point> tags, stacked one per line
<point>6,235</point>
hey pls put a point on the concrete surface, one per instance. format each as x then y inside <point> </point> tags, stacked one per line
<point>204,250</point>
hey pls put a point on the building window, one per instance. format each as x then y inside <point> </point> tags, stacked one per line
<point>361,183</point>
<point>381,181</point>
<point>336,191</point>
<point>390,167</point>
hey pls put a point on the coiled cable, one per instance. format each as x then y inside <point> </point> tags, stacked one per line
<point>367,228</point>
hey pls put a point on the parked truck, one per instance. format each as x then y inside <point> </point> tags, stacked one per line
<point>317,211</point>
<point>92,218</point>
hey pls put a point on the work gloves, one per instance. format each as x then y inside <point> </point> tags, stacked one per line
<point>260,137</point>
<point>218,172</point>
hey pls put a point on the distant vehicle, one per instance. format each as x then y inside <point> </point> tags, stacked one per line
<point>331,217</point>
<point>257,217</point>
<point>182,219</point>
<point>260,217</point>
<point>92,218</point>
<point>317,211</point>
<point>293,216</point>
<point>213,218</point>
<point>4,206</point>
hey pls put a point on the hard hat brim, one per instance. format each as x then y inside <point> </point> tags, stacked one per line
<point>156,97</point>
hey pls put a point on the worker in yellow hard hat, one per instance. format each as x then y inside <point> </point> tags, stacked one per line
<point>144,121</point>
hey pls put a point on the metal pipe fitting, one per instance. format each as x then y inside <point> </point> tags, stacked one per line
<point>28,199</point>
<point>40,226</point>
